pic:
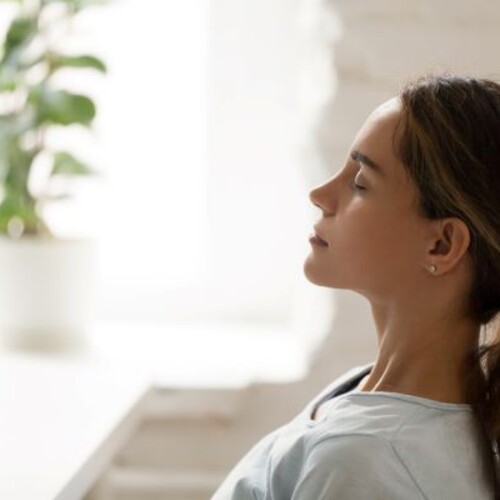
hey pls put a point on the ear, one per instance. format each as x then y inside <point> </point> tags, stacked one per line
<point>449,242</point>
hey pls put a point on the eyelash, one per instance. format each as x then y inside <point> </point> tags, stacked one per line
<point>354,186</point>
<point>357,187</point>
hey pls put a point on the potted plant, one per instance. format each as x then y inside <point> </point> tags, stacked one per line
<point>46,282</point>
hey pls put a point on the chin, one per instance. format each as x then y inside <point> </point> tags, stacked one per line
<point>318,277</point>
<point>314,275</point>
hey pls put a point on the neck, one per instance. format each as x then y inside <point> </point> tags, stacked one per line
<point>435,365</point>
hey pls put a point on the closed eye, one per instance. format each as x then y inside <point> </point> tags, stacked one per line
<point>357,187</point>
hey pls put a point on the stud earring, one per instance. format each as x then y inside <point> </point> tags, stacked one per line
<point>432,268</point>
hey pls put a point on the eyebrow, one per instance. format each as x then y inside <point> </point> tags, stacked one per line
<point>362,158</point>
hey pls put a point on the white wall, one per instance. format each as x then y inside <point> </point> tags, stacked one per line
<point>257,198</point>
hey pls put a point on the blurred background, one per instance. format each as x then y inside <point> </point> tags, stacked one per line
<point>199,213</point>
<point>156,164</point>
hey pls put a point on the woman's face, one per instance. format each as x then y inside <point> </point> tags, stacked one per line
<point>375,235</point>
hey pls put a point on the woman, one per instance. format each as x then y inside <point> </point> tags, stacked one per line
<point>412,223</point>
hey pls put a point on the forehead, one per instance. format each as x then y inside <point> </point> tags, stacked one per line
<point>375,140</point>
<point>375,137</point>
<point>390,107</point>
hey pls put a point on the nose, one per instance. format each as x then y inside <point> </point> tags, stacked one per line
<point>319,197</point>
<point>313,197</point>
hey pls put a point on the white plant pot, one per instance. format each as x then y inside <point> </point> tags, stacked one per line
<point>47,291</point>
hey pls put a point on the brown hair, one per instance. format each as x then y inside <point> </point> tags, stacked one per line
<point>449,142</point>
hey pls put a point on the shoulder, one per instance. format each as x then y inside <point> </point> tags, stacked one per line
<point>356,448</point>
<point>365,414</point>
<point>354,466</point>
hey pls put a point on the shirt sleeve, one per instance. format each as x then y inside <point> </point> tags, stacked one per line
<point>355,467</point>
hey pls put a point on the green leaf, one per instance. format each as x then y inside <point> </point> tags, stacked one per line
<point>18,162</point>
<point>82,61</point>
<point>12,60</point>
<point>66,164</point>
<point>16,206</point>
<point>21,30</point>
<point>61,107</point>
<point>8,83</point>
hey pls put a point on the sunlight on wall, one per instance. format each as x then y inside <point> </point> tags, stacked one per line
<point>201,211</point>
<point>148,209</point>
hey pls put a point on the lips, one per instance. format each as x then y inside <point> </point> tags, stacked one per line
<point>314,239</point>
<point>319,236</point>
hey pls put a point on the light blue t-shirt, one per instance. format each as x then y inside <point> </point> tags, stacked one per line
<point>369,445</point>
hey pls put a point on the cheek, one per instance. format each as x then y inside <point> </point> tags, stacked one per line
<point>370,249</point>
<point>374,241</point>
